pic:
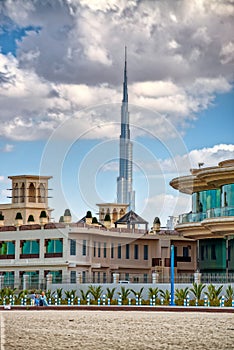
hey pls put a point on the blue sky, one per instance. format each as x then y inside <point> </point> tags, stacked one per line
<point>61,72</point>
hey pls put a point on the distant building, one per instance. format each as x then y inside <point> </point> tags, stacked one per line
<point>172,221</point>
<point>125,193</point>
<point>29,198</point>
<point>211,221</point>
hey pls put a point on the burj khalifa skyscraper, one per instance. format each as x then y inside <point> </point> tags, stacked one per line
<point>125,193</point>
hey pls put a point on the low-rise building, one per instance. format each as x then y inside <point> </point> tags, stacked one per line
<point>211,220</point>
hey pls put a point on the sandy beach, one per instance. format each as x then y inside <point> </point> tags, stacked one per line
<point>98,330</point>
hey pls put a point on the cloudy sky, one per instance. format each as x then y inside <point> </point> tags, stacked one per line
<point>61,74</point>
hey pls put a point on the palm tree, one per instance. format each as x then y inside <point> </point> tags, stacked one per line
<point>181,294</point>
<point>197,290</point>
<point>110,293</point>
<point>49,294</point>
<point>212,293</point>
<point>229,293</point>
<point>59,292</point>
<point>137,294</point>
<point>124,293</point>
<point>152,292</point>
<point>165,295</point>
<point>84,294</point>
<point>96,292</point>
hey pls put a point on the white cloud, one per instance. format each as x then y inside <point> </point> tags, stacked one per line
<point>7,148</point>
<point>180,55</point>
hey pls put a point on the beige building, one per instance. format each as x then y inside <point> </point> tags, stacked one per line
<point>29,198</point>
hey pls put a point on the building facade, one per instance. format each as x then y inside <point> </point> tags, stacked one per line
<point>211,220</point>
<point>29,198</point>
<point>125,193</point>
<point>76,253</point>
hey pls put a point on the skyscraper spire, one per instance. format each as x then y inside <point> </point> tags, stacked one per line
<point>125,194</point>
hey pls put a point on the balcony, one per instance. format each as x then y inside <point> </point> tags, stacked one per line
<point>211,213</point>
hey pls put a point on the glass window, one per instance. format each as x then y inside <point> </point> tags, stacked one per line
<point>185,252</point>
<point>83,276</point>
<point>104,250</point>
<point>145,277</point>
<point>54,246</point>
<point>104,277</point>
<point>145,252</point>
<point>119,251</point>
<point>72,247</point>
<point>98,277</point>
<point>127,276</point>
<point>202,252</point>
<point>127,251</point>
<point>7,248</point>
<point>94,249</point>
<point>112,250</point>
<point>136,251</point>
<point>84,248</point>
<point>228,195</point>
<point>73,277</point>
<point>30,247</point>
<point>99,249</point>
<point>213,252</point>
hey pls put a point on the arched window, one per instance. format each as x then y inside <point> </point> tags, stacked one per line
<point>121,213</point>
<point>15,194</point>
<point>32,193</point>
<point>22,193</point>
<point>41,194</point>
<point>114,215</point>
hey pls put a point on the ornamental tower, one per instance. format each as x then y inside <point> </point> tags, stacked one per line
<point>125,193</point>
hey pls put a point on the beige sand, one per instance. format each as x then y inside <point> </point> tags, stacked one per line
<point>98,330</point>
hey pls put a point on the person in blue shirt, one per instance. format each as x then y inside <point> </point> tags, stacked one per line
<point>43,300</point>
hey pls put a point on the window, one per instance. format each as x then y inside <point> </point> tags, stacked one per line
<point>127,276</point>
<point>99,249</point>
<point>30,247</point>
<point>104,250</point>
<point>104,277</point>
<point>72,247</point>
<point>146,252</point>
<point>84,248</point>
<point>112,250</point>
<point>127,251</point>
<point>94,249</point>
<point>98,277</point>
<point>136,251</point>
<point>83,276</point>
<point>119,251</point>
<point>54,246</point>
<point>145,277</point>
<point>73,277</point>
<point>202,252</point>
<point>185,252</point>
<point>213,252</point>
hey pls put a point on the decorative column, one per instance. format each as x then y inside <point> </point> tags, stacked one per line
<point>78,278</point>
<point>155,277</point>
<point>197,277</point>
<point>49,278</point>
<point>25,282</point>
<point>115,277</point>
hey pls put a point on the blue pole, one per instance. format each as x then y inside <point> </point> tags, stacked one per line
<point>172,275</point>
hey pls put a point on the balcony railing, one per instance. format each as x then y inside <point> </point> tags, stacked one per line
<point>210,213</point>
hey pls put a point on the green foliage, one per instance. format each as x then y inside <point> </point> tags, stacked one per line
<point>43,214</point>
<point>23,293</point>
<point>152,292</point>
<point>165,295</point>
<point>197,289</point>
<point>68,294</point>
<point>213,293</point>
<point>49,294</point>
<point>18,216</point>
<point>181,294</point>
<point>229,293</point>
<point>139,293</point>
<point>59,292</point>
<point>110,293</point>
<point>124,293</point>
<point>96,292</point>
<point>84,294</point>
